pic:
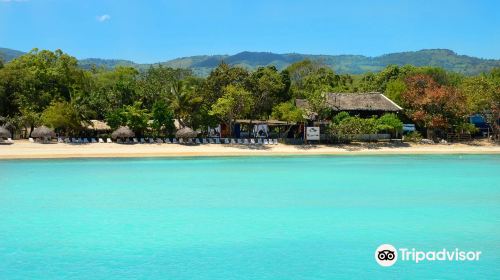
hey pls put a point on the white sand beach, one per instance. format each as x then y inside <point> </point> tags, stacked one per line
<point>22,149</point>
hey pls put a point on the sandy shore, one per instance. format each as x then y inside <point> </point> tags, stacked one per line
<point>24,149</point>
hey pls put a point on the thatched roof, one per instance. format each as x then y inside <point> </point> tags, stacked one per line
<point>268,122</point>
<point>42,132</point>
<point>122,132</point>
<point>97,125</point>
<point>4,132</point>
<point>371,101</point>
<point>186,132</point>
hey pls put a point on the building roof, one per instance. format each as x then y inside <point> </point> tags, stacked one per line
<point>371,101</point>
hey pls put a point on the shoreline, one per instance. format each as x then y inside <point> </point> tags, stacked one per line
<point>22,149</point>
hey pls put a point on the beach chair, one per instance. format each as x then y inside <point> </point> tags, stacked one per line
<point>226,141</point>
<point>233,141</point>
<point>151,141</point>
<point>159,141</point>
<point>174,141</point>
<point>266,142</point>
<point>190,141</point>
<point>197,141</point>
<point>60,140</point>
<point>93,140</point>
<point>211,141</point>
<point>9,140</point>
<point>252,141</point>
<point>275,141</point>
<point>181,140</point>
<point>86,140</point>
<point>108,140</point>
<point>135,140</point>
<point>217,140</point>
<point>240,141</point>
<point>119,141</point>
<point>204,141</point>
<point>167,140</point>
<point>31,140</point>
<point>101,140</point>
<point>67,140</point>
<point>246,142</point>
<point>142,141</point>
<point>259,141</point>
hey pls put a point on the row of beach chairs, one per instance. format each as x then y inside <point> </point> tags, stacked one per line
<point>258,141</point>
<point>8,141</point>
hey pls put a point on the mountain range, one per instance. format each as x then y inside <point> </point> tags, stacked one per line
<point>351,64</point>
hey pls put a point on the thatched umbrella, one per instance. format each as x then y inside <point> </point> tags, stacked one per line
<point>122,132</point>
<point>43,132</point>
<point>4,132</point>
<point>186,132</point>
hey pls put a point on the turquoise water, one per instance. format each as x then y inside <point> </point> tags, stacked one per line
<point>247,218</point>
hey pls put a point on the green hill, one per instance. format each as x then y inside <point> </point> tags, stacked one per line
<point>352,64</point>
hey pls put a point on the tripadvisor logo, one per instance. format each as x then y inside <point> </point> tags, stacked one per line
<point>387,255</point>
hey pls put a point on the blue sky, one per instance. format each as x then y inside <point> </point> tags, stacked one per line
<point>156,30</point>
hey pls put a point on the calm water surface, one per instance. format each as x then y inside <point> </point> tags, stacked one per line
<point>247,218</point>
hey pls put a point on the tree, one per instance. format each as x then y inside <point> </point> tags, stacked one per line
<point>62,116</point>
<point>431,105</point>
<point>235,103</point>
<point>221,77</point>
<point>163,118</point>
<point>267,87</point>
<point>391,123</point>
<point>288,112</point>
<point>185,101</point>
<point>483,97</point>
<point>137,117</point>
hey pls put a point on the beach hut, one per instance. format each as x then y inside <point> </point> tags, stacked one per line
<point>44,133</point>
<point>123,132</point>
<point>185,133</point>
<point>4,134</point>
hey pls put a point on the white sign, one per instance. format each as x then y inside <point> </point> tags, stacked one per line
<point>312,133</point>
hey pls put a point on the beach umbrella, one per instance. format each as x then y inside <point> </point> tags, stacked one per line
<point>4,132</point>
<point>122,132</point>
<point>186,132</point>
<point>43,132</point>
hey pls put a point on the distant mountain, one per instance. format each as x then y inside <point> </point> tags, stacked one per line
<point>352,64</point>
<point>9,54</point>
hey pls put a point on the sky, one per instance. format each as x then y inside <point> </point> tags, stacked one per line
<point>158,30</point>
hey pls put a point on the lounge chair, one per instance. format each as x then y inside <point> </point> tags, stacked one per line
<point>159,141</point>
<point>151,141</point>
<point>246,142</point>
<point>181,141</point>
<point>135,140</point>
<point>67,140</point>
<point>259,141</point>
<point>275,141</point>
<point>93,140</point>
<point>108,140</point>
<point>167,140</point>
<point>211,141</point>
<point>60,140</point>
<point>142,141</point>
<point>217,140</point>
<point>190,141</point>
<point>252,141</point>
<point>101,140</point>
<point>9,140</point>
<point>266,142</point>
<point>197,141</point>
<point>240,141</point>
<point>233,141</point>
<point>31,140</point>
<point>226,141</point>
<point>204,141</point>
<point>174,140</point>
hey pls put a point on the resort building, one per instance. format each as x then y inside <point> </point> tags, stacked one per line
<point>362,104</point>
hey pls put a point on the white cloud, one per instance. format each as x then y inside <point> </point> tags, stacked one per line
<point>103,18</point>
